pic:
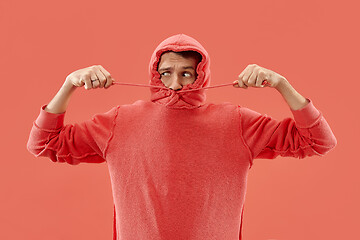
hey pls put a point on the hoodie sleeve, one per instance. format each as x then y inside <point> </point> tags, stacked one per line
<point>73,143</point>
<point>306,134</point>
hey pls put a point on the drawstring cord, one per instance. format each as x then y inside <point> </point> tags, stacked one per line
<point>189,90</point>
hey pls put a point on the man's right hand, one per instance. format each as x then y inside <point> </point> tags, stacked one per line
<point>92,77</point>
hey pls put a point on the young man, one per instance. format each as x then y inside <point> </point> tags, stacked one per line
<point>178,165</point>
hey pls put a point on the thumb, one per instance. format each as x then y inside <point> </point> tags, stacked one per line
<point>235,83</point>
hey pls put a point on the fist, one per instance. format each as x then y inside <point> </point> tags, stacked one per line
<point>256,76</point>
<point>92,77</point>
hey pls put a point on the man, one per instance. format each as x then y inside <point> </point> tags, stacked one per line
<point>178,165</point>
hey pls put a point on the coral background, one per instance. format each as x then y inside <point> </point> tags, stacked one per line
<point>313,43</point>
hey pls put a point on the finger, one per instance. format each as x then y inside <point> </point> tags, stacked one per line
<point>241,84</point>
<point>93,75</point>
<point>235,84</point>
<point>260,78</point>
<point>100,76</point>
<point>108,76</point>
<point>95,83</point>
<point>87,81</point>
<point>246,76</point>
<point>94,80</point>
<point>241,76</point>
<point>252,78</point>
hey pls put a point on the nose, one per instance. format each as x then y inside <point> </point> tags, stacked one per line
<point>175,84</point>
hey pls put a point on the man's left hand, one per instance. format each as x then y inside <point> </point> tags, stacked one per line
<point>256,76</point>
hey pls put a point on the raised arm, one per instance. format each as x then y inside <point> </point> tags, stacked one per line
<point>79,142</point>
<point>307,134</point>
<point>92,77</point>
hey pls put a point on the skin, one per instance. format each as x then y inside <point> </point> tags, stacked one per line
<point>176,71</point>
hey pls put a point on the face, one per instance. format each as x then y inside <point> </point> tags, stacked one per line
<point>176,71</point>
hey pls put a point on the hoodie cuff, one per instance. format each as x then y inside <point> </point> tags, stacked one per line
<point>49,121</point>
<point>307,116</point>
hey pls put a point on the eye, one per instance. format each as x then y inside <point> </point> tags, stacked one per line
<point>189,74</point>
<point>163,74</point>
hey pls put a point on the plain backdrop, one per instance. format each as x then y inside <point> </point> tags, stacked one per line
<point>313,43</point>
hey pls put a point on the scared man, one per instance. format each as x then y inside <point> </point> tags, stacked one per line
<point>179,165</point>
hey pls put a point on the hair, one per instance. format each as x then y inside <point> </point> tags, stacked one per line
<point>188,54</point>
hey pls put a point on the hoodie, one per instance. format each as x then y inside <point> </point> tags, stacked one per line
<point>180,99</point>
<point>178,165</point>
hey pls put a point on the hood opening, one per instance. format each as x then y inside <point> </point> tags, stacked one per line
<point>175,98</point>
<point>198,67</point>
<point>185,54</point>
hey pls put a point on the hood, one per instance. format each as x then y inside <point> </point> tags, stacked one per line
<point>177,98</point>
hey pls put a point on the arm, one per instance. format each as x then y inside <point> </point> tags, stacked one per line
<point>291,96</point>
<point>76,79</point>
<point>72,143</point>
<point>307,134</point>
<point>61,100</point>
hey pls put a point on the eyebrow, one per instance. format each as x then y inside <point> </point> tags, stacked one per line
<point>168,68</point>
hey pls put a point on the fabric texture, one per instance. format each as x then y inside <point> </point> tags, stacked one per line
<point>178,165</point>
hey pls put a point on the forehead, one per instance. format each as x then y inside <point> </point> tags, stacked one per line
<point>173,58</point>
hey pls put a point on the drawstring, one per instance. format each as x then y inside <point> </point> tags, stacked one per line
<point>136,84</point>
<point>189,90</point>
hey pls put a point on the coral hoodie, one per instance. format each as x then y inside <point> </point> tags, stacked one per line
<point>178,165</point>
